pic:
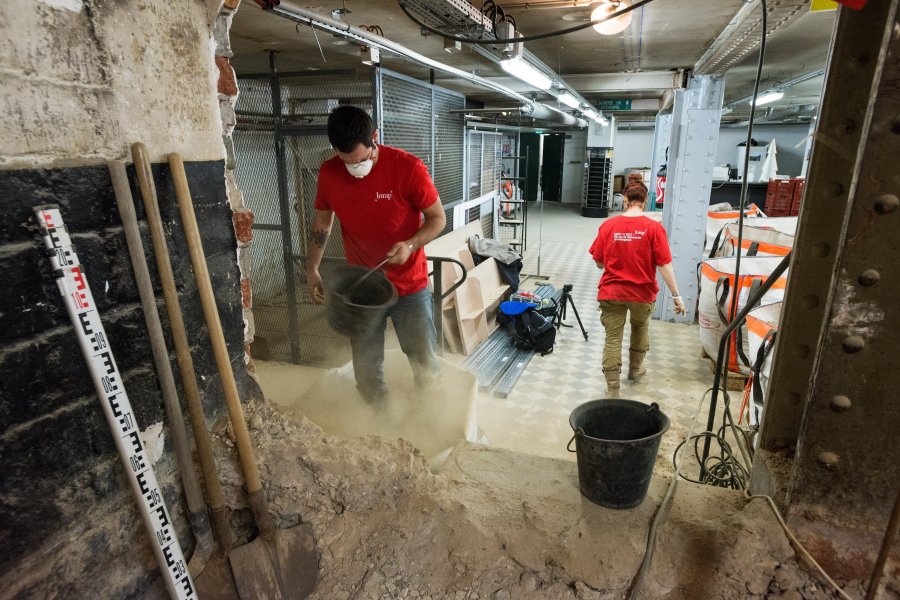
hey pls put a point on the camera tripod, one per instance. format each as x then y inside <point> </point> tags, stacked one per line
<point>566,300</point>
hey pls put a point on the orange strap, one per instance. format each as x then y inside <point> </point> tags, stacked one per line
<point>713,275</point>
<point>759,327</point>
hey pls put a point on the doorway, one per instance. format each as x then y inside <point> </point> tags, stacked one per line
<point>531,146</point>
<point>552,166</point>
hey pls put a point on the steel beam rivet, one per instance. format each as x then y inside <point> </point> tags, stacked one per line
<point>835,189</point>
<point>810,301</point>
<point>822,249</point>
<point>828,459</point>
<point>869,277</point>
<point>848,126</point>
<point>801,351</point>
<point>853,343</point>
<point>794,398</point>
<point>886,203</point>
<point>840,404</point>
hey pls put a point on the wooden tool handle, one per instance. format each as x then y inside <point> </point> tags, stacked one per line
<point>214,325</point>
<point>154,331</point>
<point>182,347</point>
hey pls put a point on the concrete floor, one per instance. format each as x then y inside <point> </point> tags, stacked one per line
<point>534,418</point>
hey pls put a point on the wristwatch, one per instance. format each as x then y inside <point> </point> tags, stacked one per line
<point>410,245</point>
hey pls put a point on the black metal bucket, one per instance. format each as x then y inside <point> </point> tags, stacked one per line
<point>355,315</point>
<point>616,443</point>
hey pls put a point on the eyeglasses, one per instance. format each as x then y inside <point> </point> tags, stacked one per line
<point>358,164</point>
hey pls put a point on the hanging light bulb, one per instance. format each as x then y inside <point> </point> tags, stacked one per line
<point>613,26</point>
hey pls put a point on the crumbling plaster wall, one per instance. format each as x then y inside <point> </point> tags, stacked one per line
<point>83,79</point>
<point>80,81</point>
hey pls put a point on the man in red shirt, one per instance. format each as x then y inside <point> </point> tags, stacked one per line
<point>630,248</point>
<point>380,195</point>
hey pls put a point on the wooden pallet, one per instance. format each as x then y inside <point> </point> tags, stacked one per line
<point>734,382</point>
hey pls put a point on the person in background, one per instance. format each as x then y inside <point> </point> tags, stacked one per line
<point>388,207</point>
<point>629,248</point>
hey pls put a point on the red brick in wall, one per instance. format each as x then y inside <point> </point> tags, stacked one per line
<point>246,293</point>
<point>227,84</point>
<point>243,226</point>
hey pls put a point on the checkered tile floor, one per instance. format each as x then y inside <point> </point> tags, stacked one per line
<point>534,418</point>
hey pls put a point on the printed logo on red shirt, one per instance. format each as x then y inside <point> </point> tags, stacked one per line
<point>380,196</point>
<point>629,236</point>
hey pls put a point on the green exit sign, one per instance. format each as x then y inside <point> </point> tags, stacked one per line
<point>614,105</point>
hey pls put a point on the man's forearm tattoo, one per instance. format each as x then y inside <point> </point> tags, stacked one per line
<point>319,237</point>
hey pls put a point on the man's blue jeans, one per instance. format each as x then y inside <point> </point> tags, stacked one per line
<point>413,318</point>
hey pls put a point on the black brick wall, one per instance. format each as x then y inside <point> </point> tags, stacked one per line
<point>54,441</point>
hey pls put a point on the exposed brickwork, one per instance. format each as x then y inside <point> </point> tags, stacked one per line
<point>243,216</point>
<point>227,84</point>
<point>246,294</point>
<point>243,225</point>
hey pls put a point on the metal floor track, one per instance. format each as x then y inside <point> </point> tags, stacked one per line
<point>497,364</point>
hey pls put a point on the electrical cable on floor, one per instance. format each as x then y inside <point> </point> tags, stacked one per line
<point>661,513</point>
<point>796,545</point>
<point>527,38</point>
<point>737,478</point>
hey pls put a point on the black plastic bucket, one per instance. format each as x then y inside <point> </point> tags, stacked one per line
<point>355,315</point>
<point>616,443</point>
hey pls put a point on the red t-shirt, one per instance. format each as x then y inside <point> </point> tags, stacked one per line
<point>379,210</point>
<point>630,249</point>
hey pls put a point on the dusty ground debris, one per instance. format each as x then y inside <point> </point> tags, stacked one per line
<point>495,524</point>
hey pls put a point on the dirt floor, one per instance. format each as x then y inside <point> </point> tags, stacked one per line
<point>495,524</point>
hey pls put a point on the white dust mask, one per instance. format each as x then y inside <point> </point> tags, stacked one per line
<point>360,170</point>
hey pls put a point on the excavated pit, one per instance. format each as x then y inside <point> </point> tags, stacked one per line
<point>499,524</point>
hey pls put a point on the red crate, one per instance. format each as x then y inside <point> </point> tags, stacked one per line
<point>783,197</point>
<point>779,196</point>
<point>798,196</point>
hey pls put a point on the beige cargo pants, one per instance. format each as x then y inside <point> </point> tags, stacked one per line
<point>613,315</point>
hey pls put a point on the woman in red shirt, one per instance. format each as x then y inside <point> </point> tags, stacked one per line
<point>629,248</point>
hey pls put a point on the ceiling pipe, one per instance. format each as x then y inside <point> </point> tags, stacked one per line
<point>291,11</point>
<point>780,86</point>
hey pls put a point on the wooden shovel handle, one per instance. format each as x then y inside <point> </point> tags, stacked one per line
<point>214,325</point>
<point>182,348</point>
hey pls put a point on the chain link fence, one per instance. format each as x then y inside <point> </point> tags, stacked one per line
<point>281,140</point>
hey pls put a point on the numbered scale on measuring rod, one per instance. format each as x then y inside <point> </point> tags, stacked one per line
<point>108,381</point>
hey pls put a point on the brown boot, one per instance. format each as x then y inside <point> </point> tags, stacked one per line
<point>636,370</point>
<point>612,382</point>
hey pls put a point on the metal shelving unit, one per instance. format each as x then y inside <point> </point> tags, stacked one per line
<point>513,212</point>
<point>597,182</point>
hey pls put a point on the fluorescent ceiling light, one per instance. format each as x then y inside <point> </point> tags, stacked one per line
<point>591,114</point>
<point>613,26</point>
<point>527,73</point>
<point>768,97</point>
<point>568,99</point>
<point>602,120</point>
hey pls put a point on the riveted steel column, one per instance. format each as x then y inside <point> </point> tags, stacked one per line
<point>692,154</point>
<point>662,135</point>
<point>845,475</point>
<point>845,102</point>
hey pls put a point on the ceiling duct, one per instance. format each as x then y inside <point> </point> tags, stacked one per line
<point>459,15</point>
<point>741,36</point>
<point>298,14</point>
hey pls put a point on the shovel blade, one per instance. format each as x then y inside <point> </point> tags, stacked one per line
<point>298,560</point>
<point>285,569</point>
<point>253,566</point>
<point>216,582</point>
